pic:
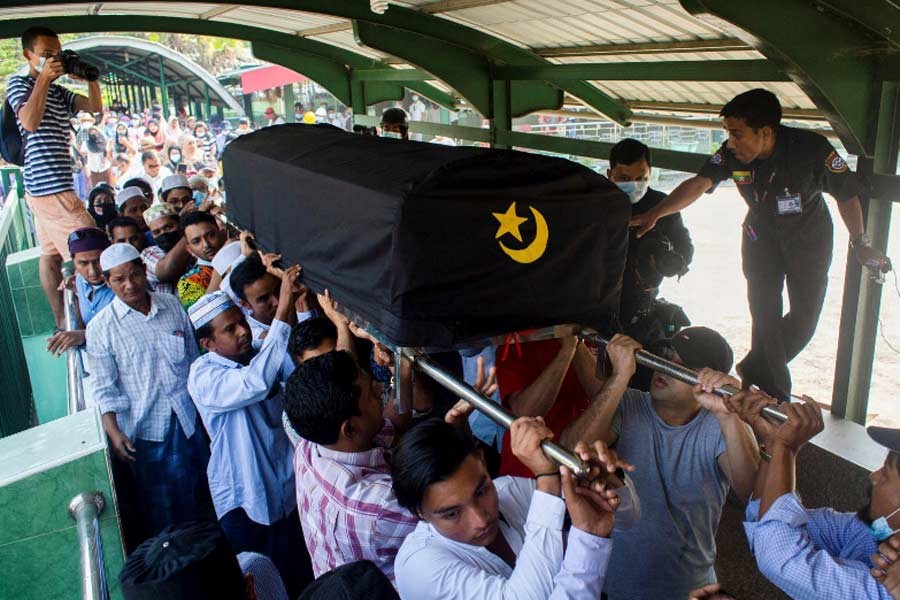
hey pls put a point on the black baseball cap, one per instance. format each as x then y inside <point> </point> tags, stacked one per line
<point>701,347</point>
<point>888,437</point>
<point>189,561</point>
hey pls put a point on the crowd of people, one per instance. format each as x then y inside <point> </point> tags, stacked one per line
<point>257,451</point>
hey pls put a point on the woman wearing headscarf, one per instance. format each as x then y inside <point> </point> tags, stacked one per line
<point>155,131</point>
<point>122,143</point>
<point>102,204</point>
<point>173,129</point>
<point>96,150</point>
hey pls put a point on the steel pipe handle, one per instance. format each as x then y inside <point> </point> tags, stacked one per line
<point>491,409</point>
<point>680,372</point>
<point>85,509</point>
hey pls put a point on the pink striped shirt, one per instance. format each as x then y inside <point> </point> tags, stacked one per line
<point>347,506</point>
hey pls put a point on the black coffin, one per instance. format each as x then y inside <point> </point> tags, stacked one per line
<point>433,245</point>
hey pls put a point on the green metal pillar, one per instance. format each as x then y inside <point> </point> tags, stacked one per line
<point>859,314</point>
<point>206,99</point>
<point>220,110</point>
<point>163,90</point>
<point>501,115</point>
<point>358,99</point>
<point>248,106</point>
<point>287,96</point>
<point>130,99</point>
<point>198,110</point>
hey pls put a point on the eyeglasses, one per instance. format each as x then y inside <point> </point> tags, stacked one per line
<point>87,234</point>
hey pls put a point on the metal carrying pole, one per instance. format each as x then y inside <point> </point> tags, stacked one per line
<point>85,510</point>
<point>680,372</point>
<point>74,366</point>
<point>491,409</point>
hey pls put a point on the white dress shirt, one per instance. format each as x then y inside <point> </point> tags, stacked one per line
<point>432,566</point>
<point>251,458</point>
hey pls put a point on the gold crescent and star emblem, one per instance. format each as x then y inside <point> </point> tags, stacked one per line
<point>509,224</point>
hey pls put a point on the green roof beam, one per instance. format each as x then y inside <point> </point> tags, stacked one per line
<point>401,75</point>
<point>824,53</point>
<point>709,70</point>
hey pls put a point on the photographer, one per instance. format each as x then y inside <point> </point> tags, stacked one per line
<point>651,258</point>
<point>43,110</point>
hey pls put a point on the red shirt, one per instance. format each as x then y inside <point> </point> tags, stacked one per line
<point>515,372</point>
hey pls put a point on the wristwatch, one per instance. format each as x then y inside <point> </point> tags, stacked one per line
<point>861,240</point>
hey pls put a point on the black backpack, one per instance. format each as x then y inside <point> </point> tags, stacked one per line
<point>12,145</point>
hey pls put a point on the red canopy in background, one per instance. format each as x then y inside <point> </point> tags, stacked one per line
<point>265,78</point>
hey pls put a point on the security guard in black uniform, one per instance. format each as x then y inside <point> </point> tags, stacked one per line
<point>666,252</point>
<point>781,173</point>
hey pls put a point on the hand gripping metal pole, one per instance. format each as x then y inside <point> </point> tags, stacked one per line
<point>680,372</point>
<point>491,409</point>
<point>85,509</point>
<point>74,366</point>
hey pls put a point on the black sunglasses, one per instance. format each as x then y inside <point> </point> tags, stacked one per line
<point>87,234</point>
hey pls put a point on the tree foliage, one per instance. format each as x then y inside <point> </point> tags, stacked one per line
<point>216,55</point>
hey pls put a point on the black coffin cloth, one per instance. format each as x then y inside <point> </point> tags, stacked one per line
<point>434,245</point>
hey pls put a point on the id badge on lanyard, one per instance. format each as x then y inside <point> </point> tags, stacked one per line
<point>789,204</point>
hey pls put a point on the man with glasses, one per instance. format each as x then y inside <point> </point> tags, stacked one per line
<point>154,171</point>
<point>176,191</point>
<point>43,109</point>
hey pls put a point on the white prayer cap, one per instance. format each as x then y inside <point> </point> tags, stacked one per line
<point>208,307</point>
<point>117,254</point>
<point>226,257</point>
<point>172,182</point>
<point>127,194</point>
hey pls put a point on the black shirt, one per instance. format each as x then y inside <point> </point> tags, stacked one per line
<point>804,163</point>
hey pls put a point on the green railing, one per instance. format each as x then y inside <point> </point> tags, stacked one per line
<point>17,410</point>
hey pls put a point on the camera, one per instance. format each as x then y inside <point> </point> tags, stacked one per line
<point>656,256</point>
<point>74,65</point>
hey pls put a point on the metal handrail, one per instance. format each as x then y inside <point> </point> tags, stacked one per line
<point>74,362</point>
<point>85,510</point>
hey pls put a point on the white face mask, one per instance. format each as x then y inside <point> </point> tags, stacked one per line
<point>634,189</point>
<point>41,62</point>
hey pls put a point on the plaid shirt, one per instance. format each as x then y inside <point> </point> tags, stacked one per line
<point>348,507</point>
<point>816,554</point>
<point>139,364</point>
<point>150,256</point>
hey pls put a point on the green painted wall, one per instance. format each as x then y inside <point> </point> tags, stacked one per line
<point>46,372</point>
<point>43,468</point>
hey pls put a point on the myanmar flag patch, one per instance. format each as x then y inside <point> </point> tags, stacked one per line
<point>742,177</point>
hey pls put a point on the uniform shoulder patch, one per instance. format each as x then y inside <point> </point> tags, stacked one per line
<point>717,158</point>
<point>835,164</point>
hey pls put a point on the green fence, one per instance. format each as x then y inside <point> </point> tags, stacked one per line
<point>17,410</point>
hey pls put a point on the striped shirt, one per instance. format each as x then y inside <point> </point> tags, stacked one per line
<point>818,554</point>
<point>347,505</point>
<point>48,164</point>
<point>139,367</point>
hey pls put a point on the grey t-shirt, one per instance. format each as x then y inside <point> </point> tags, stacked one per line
<point>682,490</point>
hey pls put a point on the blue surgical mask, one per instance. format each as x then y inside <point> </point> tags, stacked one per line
<point>634,189</point>
<point>880,529</point>
<point>199,197</point>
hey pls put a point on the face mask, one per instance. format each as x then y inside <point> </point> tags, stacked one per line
<point>175,158</point>
<point>41,62</point>
<point>634,189</point>
<point>199,197</point>
<point>392,135</point>
<point>166,241</point>
<point>104,213</point>
<point>880,529</point>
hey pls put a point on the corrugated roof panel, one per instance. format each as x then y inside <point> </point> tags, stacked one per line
<point>659,57</point>
<point>47,10</point>
<point>293,20</point>
<point>173,9</point>
<point>345,40</point>
<point>702,92</point>
<point>598,22</point>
